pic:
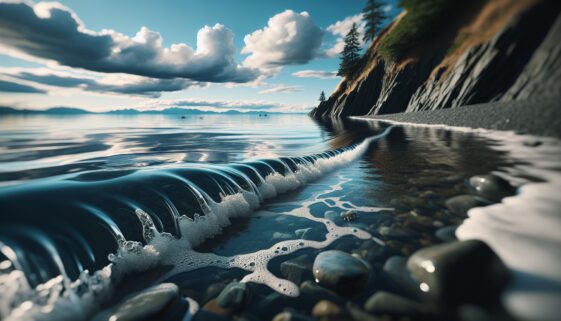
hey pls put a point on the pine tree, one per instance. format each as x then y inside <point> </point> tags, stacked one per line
<point>350,57</point>
<point>322,97</point>
<point>373,16</point>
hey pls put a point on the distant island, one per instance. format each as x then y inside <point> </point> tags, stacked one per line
<point>130,111</point>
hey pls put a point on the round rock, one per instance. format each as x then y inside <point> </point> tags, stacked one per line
<point>233,295</point>
<point>325,309</point>
<point>461,204</point>
<point>341,272</point>
<point>447,233</point>
<point>144,305</point>
<point>491,187</point>
<point>459,272</point>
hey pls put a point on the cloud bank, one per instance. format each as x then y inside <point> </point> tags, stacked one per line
<point>50,31</point>
<point>218,104</point>
<point>114,83</point>
<point>14,87</point>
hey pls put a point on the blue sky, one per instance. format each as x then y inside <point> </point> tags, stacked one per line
<point>102,55</point>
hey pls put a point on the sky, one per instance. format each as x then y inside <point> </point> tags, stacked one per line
<point>213,54</point>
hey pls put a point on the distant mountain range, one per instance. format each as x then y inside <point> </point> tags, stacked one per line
<point>168,111</point>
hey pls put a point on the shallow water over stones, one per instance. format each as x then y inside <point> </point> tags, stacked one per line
<point>399,193</point>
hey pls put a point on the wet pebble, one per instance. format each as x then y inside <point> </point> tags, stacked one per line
<point>461,204</point>
<point>398,277</point>
<point>312,290</point>
<point>233,295</point>
<point>394,233</point>
<point>215,308</point>
<point>358,314</point>
<point>143,305</point>
<point>373,252</point>
<point>349,216</point>
<point>291,316</point>
<point>391,304</point>
<point>447,234</point>
<point>491,187</point>
<point>458,272</point>
<point>297,269</point>
<point>341,272</point>
<point>326,310</point>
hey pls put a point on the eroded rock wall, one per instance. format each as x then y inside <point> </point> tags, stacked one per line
<point>522,60</point>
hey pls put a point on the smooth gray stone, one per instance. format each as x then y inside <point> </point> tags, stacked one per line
<point>388,303</point>
<point>394,233</point>
<point>358,314</point>
<point>233,295</point>
<point>291,316</point>
<point>341,272</point>
<point>447,233</point>
<point>459,272</point>
<point>326,310</point>
<point>312,290</point>
<point>399,278</point>
<point>297,269</point>
<point>143,305</point>
<point>461,204</point>
<point>491,187</point>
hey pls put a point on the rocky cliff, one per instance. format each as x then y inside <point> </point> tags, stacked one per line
<point>496,50</point>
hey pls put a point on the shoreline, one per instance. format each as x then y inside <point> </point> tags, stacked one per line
<point>522,298</point>
<point>536,116</point>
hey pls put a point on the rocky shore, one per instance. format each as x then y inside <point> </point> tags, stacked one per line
<point>540,116</point>
<point>413,269</point>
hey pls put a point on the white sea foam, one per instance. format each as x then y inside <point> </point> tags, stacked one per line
<point>60,299</point>
<point>524,230</point>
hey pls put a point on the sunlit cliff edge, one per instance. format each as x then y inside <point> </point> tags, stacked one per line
<point>481,51</point>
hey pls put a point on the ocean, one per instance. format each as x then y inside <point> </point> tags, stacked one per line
<point>94,207</point>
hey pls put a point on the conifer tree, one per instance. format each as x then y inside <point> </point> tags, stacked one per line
<point>322,97</point>
<point>373,16</point>
<point>350,57</point>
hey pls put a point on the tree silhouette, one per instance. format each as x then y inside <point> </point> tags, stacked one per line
<point>350,57</point>
<point>322,97</point>
<point>373,16</point>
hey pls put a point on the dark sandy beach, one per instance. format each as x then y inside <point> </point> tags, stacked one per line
<point>537,116</point>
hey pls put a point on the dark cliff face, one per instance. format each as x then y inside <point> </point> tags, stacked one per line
<point>522,59</point>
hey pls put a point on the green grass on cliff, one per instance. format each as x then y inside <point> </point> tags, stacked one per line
<point>422,20</point>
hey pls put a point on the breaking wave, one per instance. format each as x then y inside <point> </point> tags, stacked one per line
<point>122,222</point>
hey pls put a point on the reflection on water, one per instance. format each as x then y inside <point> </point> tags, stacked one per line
<point>75,188</point>
<point>43,146</point>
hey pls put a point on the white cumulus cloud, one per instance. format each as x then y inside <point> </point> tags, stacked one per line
<point>340,29</point>
<point>290,38</point>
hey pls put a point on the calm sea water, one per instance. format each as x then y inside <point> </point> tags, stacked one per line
<point>204,200</point>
